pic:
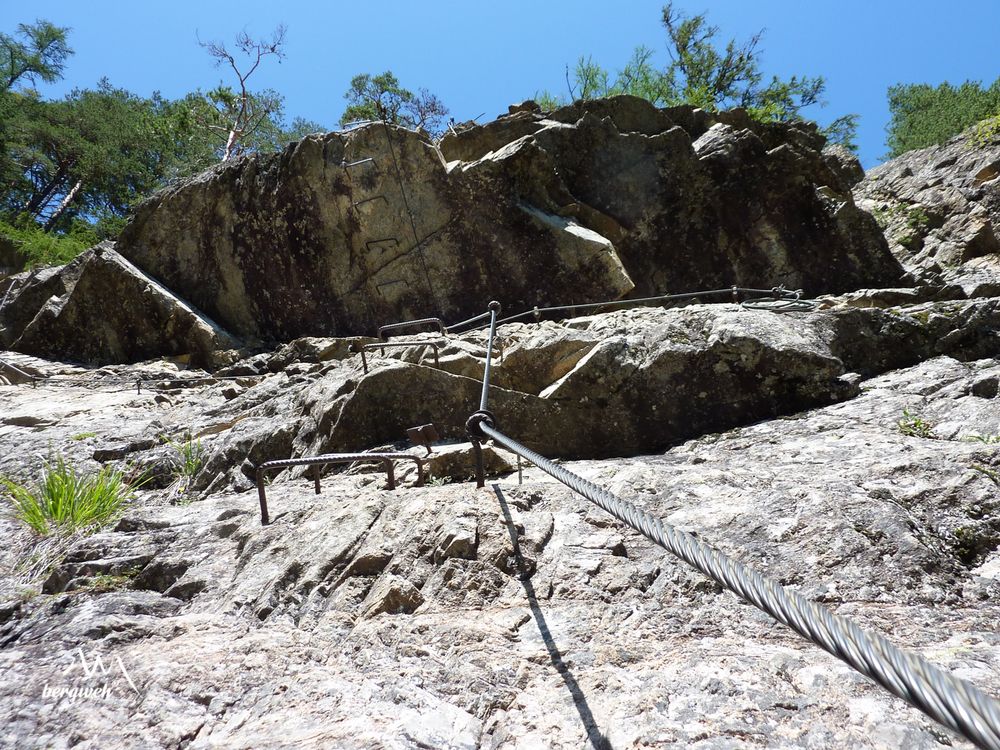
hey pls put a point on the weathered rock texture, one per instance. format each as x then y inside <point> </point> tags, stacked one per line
<point>516,617</point>
<point>940,208</point>
<point>851,451</point>
<point>591,202</point>
<point>100,308</point>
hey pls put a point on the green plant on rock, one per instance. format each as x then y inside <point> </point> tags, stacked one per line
<point>913,425</point>
<point>986,131</point>
<point>105,582</point>
<point>985,439</point>
<point>916,226</point>
<point>67,499</point>
<point>191,457</point>
<point>992,474</point>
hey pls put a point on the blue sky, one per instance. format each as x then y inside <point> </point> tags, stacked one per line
<point>480,57</point>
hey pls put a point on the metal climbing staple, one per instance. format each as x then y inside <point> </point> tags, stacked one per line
<point>317,462</point>
<point>383,331</point>
<point>358,348</point>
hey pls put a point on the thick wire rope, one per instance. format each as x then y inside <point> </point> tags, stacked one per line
<point>952,702</point>
<point>484,397</point>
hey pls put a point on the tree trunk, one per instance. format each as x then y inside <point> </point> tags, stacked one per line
<point>63,205</point>
<point>36,204</point>
<point>40,199</point>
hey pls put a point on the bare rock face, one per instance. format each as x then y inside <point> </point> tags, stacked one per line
<point>100,308</point>
<point>940,208</point>
<point>319,240</point>
<point>850,451</point>
<point>521,616</point>
<point>600,200</point>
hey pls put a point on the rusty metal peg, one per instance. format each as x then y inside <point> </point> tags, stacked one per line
<point>357,348</point>
<point>386,459</point>
<point>369,200</point>
<point>373,243</point>
<point>423,435</point>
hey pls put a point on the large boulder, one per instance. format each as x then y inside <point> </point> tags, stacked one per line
<point>637,381</point>
<point>101,309</point>
<point>599,200</point>
<point>347,231</point>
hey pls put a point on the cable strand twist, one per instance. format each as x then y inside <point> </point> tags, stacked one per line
<point>949,700</point>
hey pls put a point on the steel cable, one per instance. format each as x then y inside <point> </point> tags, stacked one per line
<point>949,700</point>
<point>494,311</point>
<point>779,299</point>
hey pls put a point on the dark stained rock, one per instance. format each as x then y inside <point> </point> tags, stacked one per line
<point>101,309</point>
<point>597,200</point>
<point>25,293</point>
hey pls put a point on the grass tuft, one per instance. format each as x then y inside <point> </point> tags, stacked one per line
<point>68,500</point>
<point>914,426</point>
<point>190,459</point>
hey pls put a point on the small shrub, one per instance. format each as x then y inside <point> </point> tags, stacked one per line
<point>986,131</point>
<point>82,435</point>
<point>190,457</point>
<point>68,500</point>
<point>914,426</point>
<point>105,582</point>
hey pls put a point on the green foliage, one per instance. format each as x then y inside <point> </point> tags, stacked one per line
<point>89,157</point>
<point>242,119</point>
<point>300,128</point>
<point>917,225</point>
<point>93,154</point>
<point>258,117</point>
<point>914,426</point>
<point>922,115</point>
<point>909,224</point>
<point>380,97</point>
<point>190,457</point>
<point>82,436</point>
<point>38,51</point>
<point>68,500</point>
<point>843,130</point>
<point>986,131</point>
<point>41,248</point>
<point>102,583</point>
<point>705,73</point>
<point>984,439</point>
